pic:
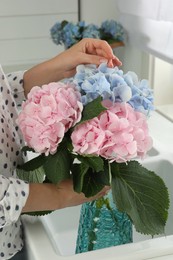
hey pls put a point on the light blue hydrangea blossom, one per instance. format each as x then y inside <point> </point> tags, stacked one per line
<point>70,34</point>
<point>91,31</point>
<point>113,30</point>
<point>113,84</point>
<point>56,33</point>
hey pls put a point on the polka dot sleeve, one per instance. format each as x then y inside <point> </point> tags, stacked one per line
<point>15,81</point>
<point>13,196</point>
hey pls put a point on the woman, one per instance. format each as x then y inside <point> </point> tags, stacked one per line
<point>17,196</point>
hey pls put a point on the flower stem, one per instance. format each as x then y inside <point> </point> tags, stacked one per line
<point>110,175</point>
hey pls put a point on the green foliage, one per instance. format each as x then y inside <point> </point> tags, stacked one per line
<point>89,175</point>
<point>142,195</point>
<point>91,182</point>
<point>95,162</point>
<point>92,109</point>
<point>34,163</point>
<point>38,213</point>
<point>57,167</point>
<point>33,176</point>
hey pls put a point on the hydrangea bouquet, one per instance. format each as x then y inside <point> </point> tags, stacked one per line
<point>93,129</point>
<point>69,33</point>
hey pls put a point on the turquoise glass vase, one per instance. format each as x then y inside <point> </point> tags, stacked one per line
<point>101,225</point>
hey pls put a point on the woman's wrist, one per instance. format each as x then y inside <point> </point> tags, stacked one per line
<point>42,197</point>
<point>44,73</point>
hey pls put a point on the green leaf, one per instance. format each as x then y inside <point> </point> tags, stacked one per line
<point>34,176</point>
<point>63,23</point>
<point>87,180</point>
<point>94,183</point>
<point>57,166</point>
<point>34,163</point>
<point>142,195</point>
<point>78,172</point>
<point>96,163</point>
<point>38,213</point>
<point>92,109</point>
<point>27,149</point>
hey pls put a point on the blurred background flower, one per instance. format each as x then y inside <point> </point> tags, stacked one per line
<point>68,33</point>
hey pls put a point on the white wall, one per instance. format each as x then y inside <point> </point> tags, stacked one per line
<point>135,60</point>
<point>25,30</point>
<point>96,11</point>
<point>159,72</point>
<point>25,27</point>
<point>163,82</point>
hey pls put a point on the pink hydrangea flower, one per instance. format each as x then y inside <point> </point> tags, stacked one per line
<point>87,138</point>
<point>118,134</point>
<point>126,132</point>
<point>47,114</point>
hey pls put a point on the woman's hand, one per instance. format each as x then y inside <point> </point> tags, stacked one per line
<point>87,51</point>
<point>47,196</point>
<point>69,197</point>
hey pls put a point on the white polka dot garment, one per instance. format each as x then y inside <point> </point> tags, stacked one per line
<point>13,192</point>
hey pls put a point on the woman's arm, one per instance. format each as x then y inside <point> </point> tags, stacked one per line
<point>87,51</point>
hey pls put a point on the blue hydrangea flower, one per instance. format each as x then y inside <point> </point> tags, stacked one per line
<point>142,94</point>
<point>113,84</point>
<point>81,24</point>
<point>56,34</point>
<point>113,30</point>
<point>71,34</point>
<point>91,31</point>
